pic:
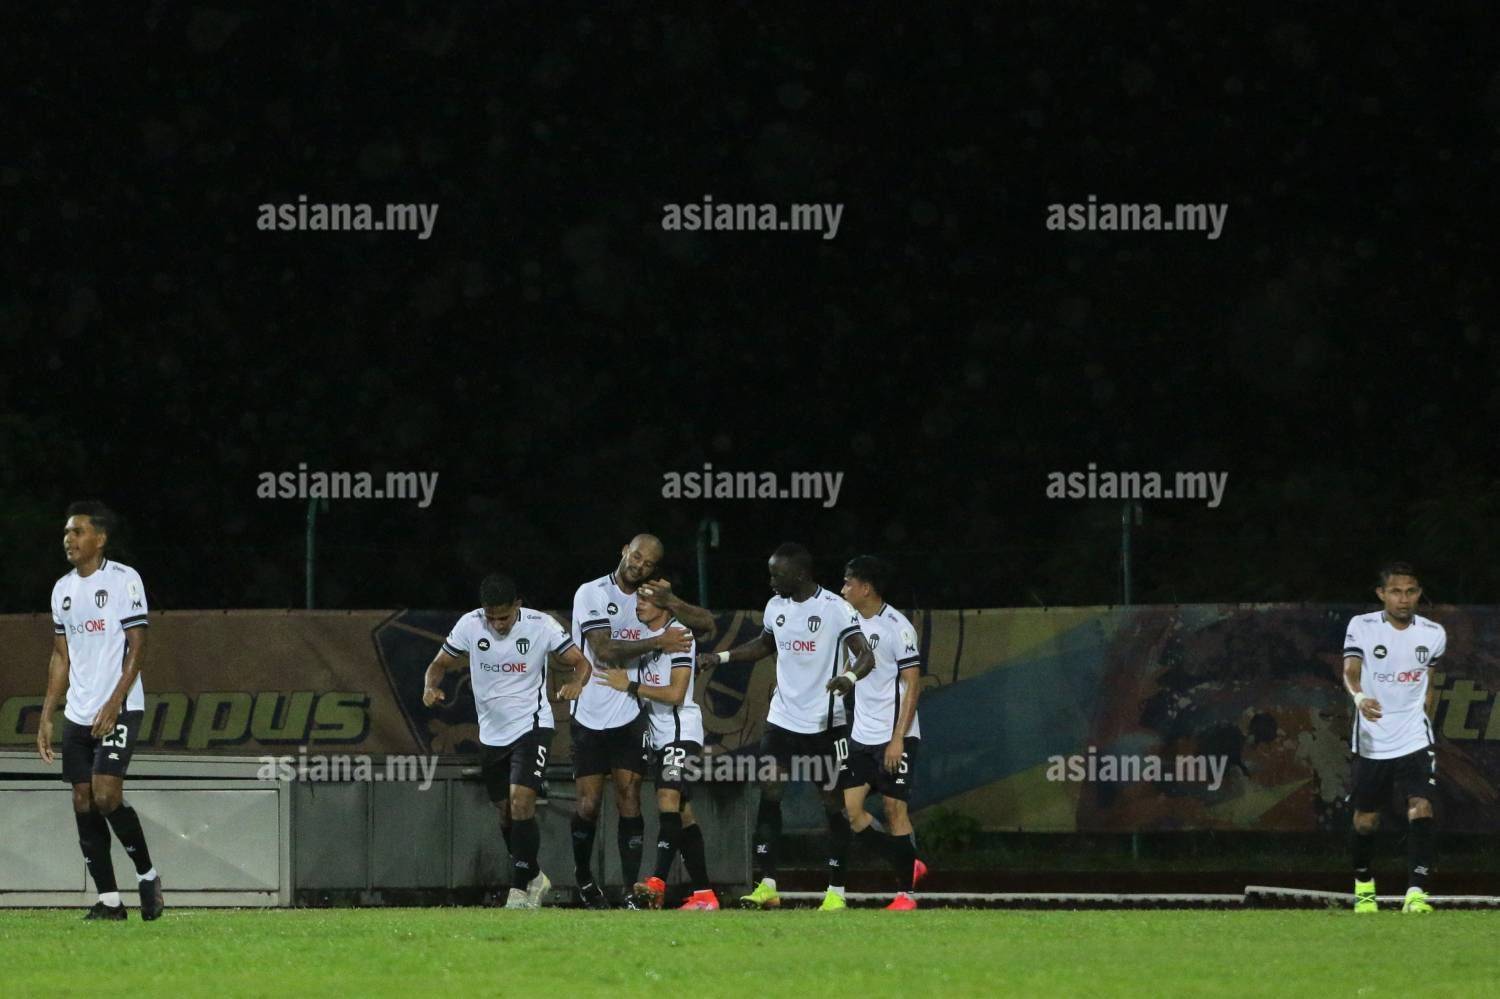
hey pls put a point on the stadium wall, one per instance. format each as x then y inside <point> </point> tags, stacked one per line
<point>1008,694</point>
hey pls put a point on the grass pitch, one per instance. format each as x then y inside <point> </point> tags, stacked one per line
<point>489,952</point>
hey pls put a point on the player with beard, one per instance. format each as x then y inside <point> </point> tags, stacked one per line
<point>609,734</point>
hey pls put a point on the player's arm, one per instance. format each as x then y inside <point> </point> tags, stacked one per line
<point>432,693</point>
<point>864,661</point>
<point>135,652</point>
<point>617,650</point>
<point>57,686</point>
<point>674,693</point>
<point>756,649</point>
<point>660,593</point>
<point>1363,703</point>
<point>910,679</point>
<point>575,660</point>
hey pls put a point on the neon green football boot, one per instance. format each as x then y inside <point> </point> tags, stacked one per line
<point>763,897</point>
<point>1364,896</point>
<point>1416,901</point>
<point>832,902</point>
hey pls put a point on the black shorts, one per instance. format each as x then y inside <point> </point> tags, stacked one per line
<point>865,765</point>
<point>1378,782</point>
<point>814,756</point>
<point>670,766</point>
<point>83,755</point>
<point>599,751</point>
<point>523,762</point>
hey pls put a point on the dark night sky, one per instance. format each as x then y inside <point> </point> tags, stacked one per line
<point>550,351</point>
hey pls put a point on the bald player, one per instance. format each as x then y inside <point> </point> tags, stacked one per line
<point>609,732</point>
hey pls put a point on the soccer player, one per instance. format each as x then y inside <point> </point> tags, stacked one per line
<point>664,683</point>
<point>507,646</point>
<point>609,736</point>
<point>98,650</point>
<point>807,628</point>
<point>886,734</point>
<point>1387,659</point>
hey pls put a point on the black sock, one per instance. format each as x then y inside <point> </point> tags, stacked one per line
<point>1419,851</point>
<point>506,825</point>
<point>583,849</point>
<point>631,837</point>
<point>93,840</point>
<point>693,859</point>
<point>873,838</point>
<point>524,841</point>
<point>903,853</point>
<point>668,836</point>
<point>127,827</point>
<point>767,837</point>
<point>839,838</point>
<point>1363,847</point>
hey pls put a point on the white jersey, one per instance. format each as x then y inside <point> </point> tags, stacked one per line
<point>598,605</point>
<point>808,638</point>
<point>877,697</point>
<point>508,673</point>
<point>95,611</point>
<point>669,724</point>
<point>1396,666</point>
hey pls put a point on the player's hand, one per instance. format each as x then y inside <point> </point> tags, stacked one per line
<point>840,684</point>
<point>1370,708</point>
<point>705,660</point>
<point>893,753</point>
<point>432,696</point>
<point>675,640</point>
<point>658,591</point>
<point>44,740</point>
<point>614,677</point>
<point>104,721</point>
<point>570,690</point>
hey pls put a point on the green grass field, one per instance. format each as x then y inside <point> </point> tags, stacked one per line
<point>468,952</point>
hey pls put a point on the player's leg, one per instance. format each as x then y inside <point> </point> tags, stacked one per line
<point>527,771</point>
<point>1371,788</point>
<point>901,841</point>
<point>494,771</point>
<point>832,751</point>
<point>93,840</point>
<point>902,847</point>
<point>631,746</point>
<point>1418,778</point>
<point>694,858</point>
<point>774,763</point>
<point>668,839</point>
<point>589,768</point>
<point>111,762</point>
<point>78,751</point>
<point>630,834</point>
